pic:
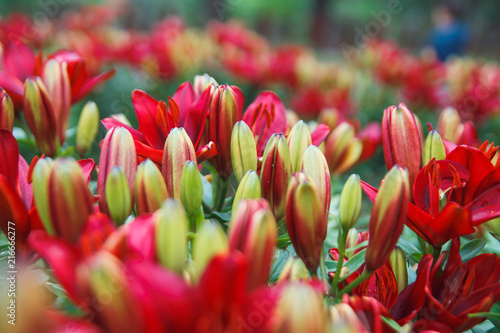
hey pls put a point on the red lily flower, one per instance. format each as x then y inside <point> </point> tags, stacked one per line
<point>461,289</point>
<point>265,116</point>
<point>469,181</point>
<point>369,311</point>
<point>157,118</point>
<point>19,62</point>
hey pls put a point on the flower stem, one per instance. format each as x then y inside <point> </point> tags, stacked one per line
<point>220,187</point>
<point>322,266</point>
<point>365,275</point>
<point>340,263</point>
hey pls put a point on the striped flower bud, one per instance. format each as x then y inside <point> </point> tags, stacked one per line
<point>388,217</point>
<point>342,148</point>
<point>298,141</point>
<point>243,150</point>
<point>305,221</point>
<point>6,111</point>
<point>253,231</point>
<point>314,165</point>
<point>397,260</point>
<point>177,151</point>
<point>275,173</point>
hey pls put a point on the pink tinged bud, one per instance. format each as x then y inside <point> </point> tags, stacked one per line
<point>300,309</point>
<point>118,197</point>
<point>249,188</point>
<point>150,189</point>
<point>305,220</point>
<point>118,149</point>
<point>210,241</point>
<point>177,151</point>
<point>113,296</point>
<point>298,141</point>
<point>55,77</point>
<point>275,173</point>
<point>88,124</point>
<point>401,140</point>
<point>252,231</point>
<point>226,109</point>
<point>243,150</point>
<point>388,217</point>
<point>294,271</point>
<point>40,115</point>
<point>342,148</point>
<point>448,123</point>
<point>6,111</point>
<point>314,165</point>
<point>66,203</point>
<point>171,232</point>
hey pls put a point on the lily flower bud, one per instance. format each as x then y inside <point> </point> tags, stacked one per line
<point>226,108</point>
<point>330,117</point>
<point>55,77</point>
<point>448,122</point>
<point>66,202</point>
<point>192,193</point>
<point>149,190</point>
<point>243,150</point>
<point>6,111</point>
<point>275,173</point>
<point>294,271</point>
<point>300,309</point>
<point>88,125</point>
<point>298,141</point>
<point>401,140</point>
<point>253,231</point>
<point>350,202</point>
<point>305,220</point>
<point>201,82</point>
<point>388,217</point>
<point>118,149</point>
<point>342,148</point>
<point>40,116</point>
<point>171,230</point>
<point>397,260</point>
<point>249,188</point>
<point>434,148</point>
<point>316,168</point>
<point>210,241</point>
<point>118,197</point>
<point>177,151</point>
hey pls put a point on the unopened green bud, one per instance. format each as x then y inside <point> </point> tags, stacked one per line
<point>6,111</point>
<point>298,141</point>
<point>249,188</point>
<point>41,174</point>
<point>171,235</point>
<point>397,260</point>
<point>118,195</point>
<point>350,202</point>
<point>243,150</point>
<point>149,190</point>
<point>434,148</point>
<point>210,241</point>
<point>293,271</point>
<point>192,192</point>
<point>87,127</point>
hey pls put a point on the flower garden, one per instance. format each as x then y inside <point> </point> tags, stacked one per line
<point>188,179</point>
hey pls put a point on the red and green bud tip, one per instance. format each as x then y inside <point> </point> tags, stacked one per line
<point>314,165</point>
<point>149,190</point>
<point>298,141</point>
<point>275,173</point>
<point>249,188</point>
<point>294,271</point>
<point>433,148</point>
<point>6,111</point>
<point>305,220</point>
<point>342,148</point>
<point>388,217</point>
<point>118,197</point>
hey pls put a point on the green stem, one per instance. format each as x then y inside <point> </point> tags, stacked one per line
<point>340,263</point>
<point>365,275</point>
<point>220,187</point>
<point>423,245</point>
<point>322,266</point>
<point>436,252</point>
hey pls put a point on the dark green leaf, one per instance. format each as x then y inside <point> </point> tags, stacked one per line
<point>470,249</point>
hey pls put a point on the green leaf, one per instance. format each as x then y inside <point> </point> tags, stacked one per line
<point>220,216</point>
<point>495,235</point>
<point>392,324</point>
<point>284,241</point>
<point>357,247</point>
<point>207,192</point>
<point>353,264</point>
<point>470,249</point>
<point>279,263</point>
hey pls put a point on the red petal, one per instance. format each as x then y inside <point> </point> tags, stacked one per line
<point>88,166</point>
<point>13,86</point>
<point>207,151</point>
<point>370,191</point>
<point>145,151</point>
<point>18,60</point>
<point>9,157</point>
<point>184,96</point>
<point>24,186</point>
<point>320,134</point>
<point>91,83</point>
<point>110,123</point>
<point>145,109</point>
<point>195,117</point>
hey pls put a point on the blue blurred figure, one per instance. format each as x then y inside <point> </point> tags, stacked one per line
<point>449,36</point>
